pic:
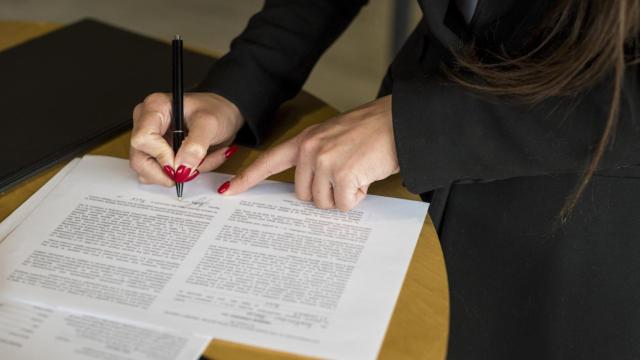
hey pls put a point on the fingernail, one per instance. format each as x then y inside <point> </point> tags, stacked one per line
<point>169,171</point>
<point>192,176</point>
<point>230,151</point>
<point>182,173</point>
<point>224,187</point>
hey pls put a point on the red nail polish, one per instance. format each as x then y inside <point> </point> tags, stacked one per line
<point>178,175</point>
<point>182,173</point>
<point>185,175</point>
<point>169,171</point>
<point>230,151</point>
<point>224,187</point>
<point>192,176</point>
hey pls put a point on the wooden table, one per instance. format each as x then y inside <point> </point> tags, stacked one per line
<point>419,326</point>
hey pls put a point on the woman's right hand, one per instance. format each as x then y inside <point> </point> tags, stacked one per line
<point>211,120</point>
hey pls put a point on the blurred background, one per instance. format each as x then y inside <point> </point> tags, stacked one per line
<point>347,75</point>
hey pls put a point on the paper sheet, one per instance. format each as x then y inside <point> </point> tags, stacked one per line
<point>260,268</point>
<point>16,217</point>
<point>33,332</point>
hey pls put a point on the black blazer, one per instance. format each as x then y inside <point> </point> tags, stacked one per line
<point>444,133</point>
<point>496,171</point>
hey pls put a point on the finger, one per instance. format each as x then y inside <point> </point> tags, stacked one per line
<point>273,161</point>
<point>361,194</point>
<point>322,189</point>
<point>303,180</point>
<point>160,102</point>
<point>148,169</point>
<point>217,158</point>
<point>203,132</point>
<point>151,121</point>
<point>304,167</point>
<point>347,196</point>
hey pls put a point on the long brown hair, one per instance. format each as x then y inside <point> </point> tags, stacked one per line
<point>579,42</point>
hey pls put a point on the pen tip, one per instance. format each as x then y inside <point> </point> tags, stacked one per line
<point>179,198</point>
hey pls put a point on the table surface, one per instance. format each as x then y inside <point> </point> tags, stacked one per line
<point>419,326</point>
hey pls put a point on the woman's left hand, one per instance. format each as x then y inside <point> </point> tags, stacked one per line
<point>335,161</point>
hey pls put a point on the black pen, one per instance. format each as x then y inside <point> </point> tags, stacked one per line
<point>178,101</point>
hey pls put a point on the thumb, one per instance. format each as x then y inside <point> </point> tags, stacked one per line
<point>278,159</point>
<point>203,132</point>
<point>191,152</point>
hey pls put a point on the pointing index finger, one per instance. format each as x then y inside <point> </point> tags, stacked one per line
<point>276,160</point>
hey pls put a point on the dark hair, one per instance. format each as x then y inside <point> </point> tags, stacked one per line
<point>579,42</point>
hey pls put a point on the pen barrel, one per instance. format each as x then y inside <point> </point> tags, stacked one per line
<point>178,86</point>
<point>178,136</point>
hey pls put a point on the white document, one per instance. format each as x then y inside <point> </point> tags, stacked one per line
<point>28,206</point>
<point>260,268</point>
<point>34,332</point>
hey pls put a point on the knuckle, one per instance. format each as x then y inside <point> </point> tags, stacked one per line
<point>164,157</point>
<point>243,178</point>
<point>138,140</point>
<point>133,165</point>
<point>195,149</point>
<point>136,112</point>
<point>343,177</point>
<point>308,145</point>
<point>308,131</point>
<point>205,120</point>
<point>149,119</point>
<point>135,141</point>
<point>155,98</point>
<point>202,115</point>
<point>265,164</point>
<point>324,160</point>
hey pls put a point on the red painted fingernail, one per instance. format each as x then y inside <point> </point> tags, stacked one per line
<point>169,171</point>
<point>192,176</point>
<point>182,173</point>
<point>224,187</point>
<point>179,172</point>
<point>230,151</point>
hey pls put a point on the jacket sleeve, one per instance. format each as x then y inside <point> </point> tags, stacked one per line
<point>269,61</point>
<point>447,134</point>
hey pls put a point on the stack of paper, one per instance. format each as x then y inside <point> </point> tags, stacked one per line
<point>107,266</point>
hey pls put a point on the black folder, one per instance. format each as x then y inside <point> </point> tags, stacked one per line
<point>67,91</point>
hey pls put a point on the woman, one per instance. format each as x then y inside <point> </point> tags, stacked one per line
<point>519,122</point>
